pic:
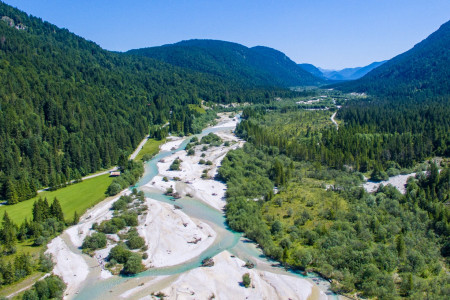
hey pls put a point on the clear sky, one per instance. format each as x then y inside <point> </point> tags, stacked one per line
<point>331,34</point>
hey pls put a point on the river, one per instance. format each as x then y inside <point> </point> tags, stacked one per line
<point>226,239</point>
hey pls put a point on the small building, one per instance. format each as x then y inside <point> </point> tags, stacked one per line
<point>114,174</point>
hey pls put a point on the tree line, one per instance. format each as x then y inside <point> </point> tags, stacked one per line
<point>69,108</point>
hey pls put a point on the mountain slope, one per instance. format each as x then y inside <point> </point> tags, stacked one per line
<point>421,72</point>
<point>356,73</point>
<point>312,69</point>
<point>68,107</point>
<point>257,66</point>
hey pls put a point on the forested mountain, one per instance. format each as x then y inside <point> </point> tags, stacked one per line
<point>312,69</point>
<point>344,74</point>
<point>423,71</point>
<point>257,66</point>
<point>68,107</point>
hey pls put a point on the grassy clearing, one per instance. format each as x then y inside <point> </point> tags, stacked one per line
<point>197,108</point>
<point>77,197</point>
<point>151,148</point>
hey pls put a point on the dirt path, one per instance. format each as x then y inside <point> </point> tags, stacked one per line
<point>334,121</point>
<point>26,287</point>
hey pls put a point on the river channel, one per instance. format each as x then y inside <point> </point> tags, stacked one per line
<point>226,239</point>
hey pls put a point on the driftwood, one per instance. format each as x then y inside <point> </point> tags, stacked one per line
<point>207,262</point>
<point>195,241</point>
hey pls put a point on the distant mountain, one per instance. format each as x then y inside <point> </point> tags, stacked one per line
<point>312,69</point>
<point>344,74</point>
<point>421,72</point>
<point>257,66</point>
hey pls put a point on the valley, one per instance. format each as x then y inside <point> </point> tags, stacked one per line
<point>169,232</point>
<point>209,169</point>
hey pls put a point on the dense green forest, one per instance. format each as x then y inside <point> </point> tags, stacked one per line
<point>69,108</point>
<point>257,66</point>
<point>48,221</point>
<point>375,137</point>
<point>318,218</point>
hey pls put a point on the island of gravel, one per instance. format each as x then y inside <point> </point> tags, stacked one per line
<point>129,233</point>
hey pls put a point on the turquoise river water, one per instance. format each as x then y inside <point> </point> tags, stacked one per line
<point>226,238</point>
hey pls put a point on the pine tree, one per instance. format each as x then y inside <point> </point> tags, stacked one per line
<point>45,209</point>
<point>11,192</point>
<point>76,218</point>
<point>56,210</point>
<point>8,233</point>
<point>37,211</point>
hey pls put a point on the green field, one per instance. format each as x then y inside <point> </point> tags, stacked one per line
<point>151,147</point>
<point>77,197</point>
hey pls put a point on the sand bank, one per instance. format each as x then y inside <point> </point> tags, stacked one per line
<point>72,268</point>
<point>224,281</point>
<point>190,181</point>
<point>172,236</point>
<point>398,182</point>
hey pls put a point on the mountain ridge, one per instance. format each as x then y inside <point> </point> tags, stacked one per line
<point>340,75</point>
<point>256,66</point>
<point>423,71</point>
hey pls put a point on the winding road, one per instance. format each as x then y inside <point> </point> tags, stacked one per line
<point>334,121</point>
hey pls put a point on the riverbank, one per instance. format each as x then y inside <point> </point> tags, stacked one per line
<point>176,241</point>
<point>172,237</point>
<point>189,180</point>
<point>399,182</point>
<point>224,281</point>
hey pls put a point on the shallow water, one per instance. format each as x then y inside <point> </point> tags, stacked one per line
<point>226,238</point>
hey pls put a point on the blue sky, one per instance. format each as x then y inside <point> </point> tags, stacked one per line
<point>327,33</point>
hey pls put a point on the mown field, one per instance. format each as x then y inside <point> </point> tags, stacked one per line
<point>150,148</point>
<point>77,197</point>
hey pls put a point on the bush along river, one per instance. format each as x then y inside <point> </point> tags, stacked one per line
<point>155,279</point>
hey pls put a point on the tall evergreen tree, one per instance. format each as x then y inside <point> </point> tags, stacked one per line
<point>8,233</point>
<point>11,192</point>
<point>56,210</point>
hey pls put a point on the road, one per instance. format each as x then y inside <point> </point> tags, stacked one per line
<point>334,121</point>
<point>132,156</point>
<point>27,287</point>
<point>139,147</point>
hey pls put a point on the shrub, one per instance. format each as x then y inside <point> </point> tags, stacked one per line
<point>107,227</point>
<point>119,204</point>
<point>212,139</point>
<point>246,280</point>
<point>135,242</point>
<point>130,219</point>
<point>95,241</point>
<point>133,264</point>
<point>120,254</point>
<point>175,166</point>
<point>113,189</point>
<point>40,240</point>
